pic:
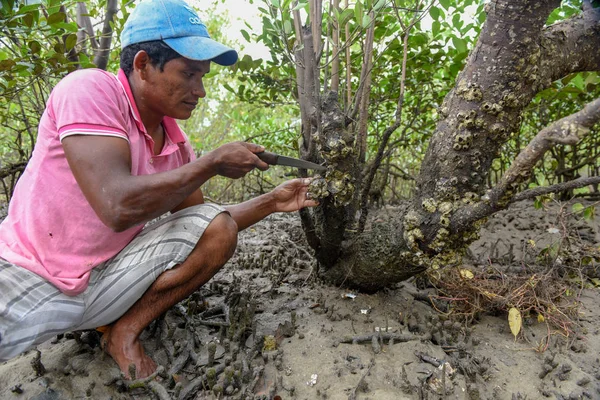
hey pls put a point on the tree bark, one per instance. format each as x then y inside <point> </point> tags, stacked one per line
<point>103,51</point>
<point>515,57</point>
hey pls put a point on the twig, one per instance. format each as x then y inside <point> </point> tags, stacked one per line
<point>360,382</point>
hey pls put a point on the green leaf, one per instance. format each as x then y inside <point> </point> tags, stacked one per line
<point>379,5</point>
<point>577,207</point>
<point>455,69</point>
<point>34,46</point>
<point>459,44</point>
<point>345,16</point>
<point>578,82</point>
<point>435,13</point>
<point>358,12</point>
<point>7,6</point>
<point>435,28</point>
<point>275,3</point>
<point>366,21</point>
<point>29,8</point>
<point>56,17</point>
<point>67,26</point>
<point>457,22</point>
<point>445,4</point>
<point>300,5</point>
<point>28,20</point>
<point>287,27</point>
<point>245,34</point>
<point>7,65</point>
<point>71,41</point>
<point>589,213</point>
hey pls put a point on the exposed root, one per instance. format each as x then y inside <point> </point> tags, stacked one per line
<point>394,337</point>
<point>360,385</point>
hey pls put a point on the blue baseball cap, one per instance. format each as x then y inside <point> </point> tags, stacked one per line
<point>178,25</point>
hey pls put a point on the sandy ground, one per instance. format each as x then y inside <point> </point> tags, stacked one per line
<point>292,337</point>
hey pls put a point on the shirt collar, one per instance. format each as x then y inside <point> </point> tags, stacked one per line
<point>173,132</point>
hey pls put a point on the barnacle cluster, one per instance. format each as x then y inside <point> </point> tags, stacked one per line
<point>497,129</point>
<point>429,205</point>
<point>470,198</point>
<point>412,233</point>
<point>467,120</point>
<point>491,108</point>
<point>510,100</point>
<point>469,91</point>
<point>462,141</point>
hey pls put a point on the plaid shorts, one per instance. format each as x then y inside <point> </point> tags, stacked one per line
<point>32,310</point>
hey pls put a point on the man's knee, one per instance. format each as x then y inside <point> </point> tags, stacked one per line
<point>221,236</point>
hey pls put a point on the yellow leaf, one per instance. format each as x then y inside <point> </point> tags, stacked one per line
<point>541,318</point>
<point>514,321</point>
<point>596,282</point>
<point>465,273</point>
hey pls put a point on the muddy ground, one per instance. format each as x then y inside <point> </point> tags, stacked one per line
<point>290,336</point>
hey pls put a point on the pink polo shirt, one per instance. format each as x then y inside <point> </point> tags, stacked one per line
<point>51,229</point>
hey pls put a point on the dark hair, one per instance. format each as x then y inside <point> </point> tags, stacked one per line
<point>158,51</point>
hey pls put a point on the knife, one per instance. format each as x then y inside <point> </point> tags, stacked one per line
<point>276,159</point>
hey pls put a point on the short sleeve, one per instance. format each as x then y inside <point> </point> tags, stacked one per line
<point>188,149</point>
<point>89,102</point>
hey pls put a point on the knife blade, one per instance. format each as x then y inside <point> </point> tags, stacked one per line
<point>276,159</point>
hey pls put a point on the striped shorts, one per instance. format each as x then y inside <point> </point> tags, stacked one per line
<point>32,310</point>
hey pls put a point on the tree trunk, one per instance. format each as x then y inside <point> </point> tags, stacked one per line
<point>515,58</point>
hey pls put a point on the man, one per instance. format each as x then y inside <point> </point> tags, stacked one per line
<point>74,253</point>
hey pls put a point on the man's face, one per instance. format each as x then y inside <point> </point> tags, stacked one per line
<point>175,91</point>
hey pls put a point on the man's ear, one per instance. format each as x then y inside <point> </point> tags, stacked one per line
<point>141,63</point>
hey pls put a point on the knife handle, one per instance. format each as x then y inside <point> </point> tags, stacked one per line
<point>268,157</point>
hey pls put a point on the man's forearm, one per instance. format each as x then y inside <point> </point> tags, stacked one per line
<point>149,196</point>
<point>250,212</point>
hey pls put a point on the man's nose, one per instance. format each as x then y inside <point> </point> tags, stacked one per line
<point>199,89</point>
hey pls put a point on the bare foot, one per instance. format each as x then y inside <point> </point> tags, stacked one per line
<point>126,349</point>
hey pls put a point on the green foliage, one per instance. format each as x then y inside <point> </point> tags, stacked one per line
<point>438,46</point>
<point>39,45</point>
<point>256,99</point>
<point>437,49</point>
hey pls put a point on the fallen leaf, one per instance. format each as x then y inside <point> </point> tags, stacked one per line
<point>514,321</point>
<point>465,273</point>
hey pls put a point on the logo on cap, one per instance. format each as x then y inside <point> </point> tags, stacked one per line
<point>193,20</point>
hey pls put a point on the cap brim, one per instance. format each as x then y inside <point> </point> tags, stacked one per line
<point>203,49</point>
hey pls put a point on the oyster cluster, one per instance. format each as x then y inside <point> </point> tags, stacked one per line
<point>335,183</point>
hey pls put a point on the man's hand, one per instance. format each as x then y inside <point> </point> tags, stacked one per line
<point>293,195</point>
<point>235,160</point>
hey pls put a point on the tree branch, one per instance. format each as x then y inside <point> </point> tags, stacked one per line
<point>363,121</point>
<point>335,62</point>
<point>568,130</point>
<point>103,52</point>
<point>559,187</point>
<point>570,46</point>
<point>84,21</point>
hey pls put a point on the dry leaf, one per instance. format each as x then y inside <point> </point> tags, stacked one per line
<point>465,273</point>
<point>514,321</point>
